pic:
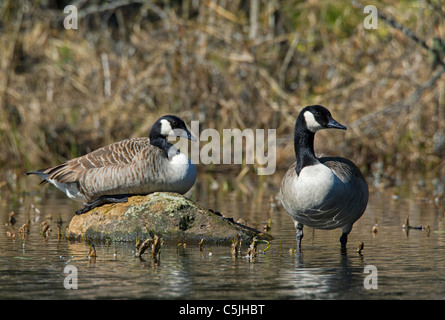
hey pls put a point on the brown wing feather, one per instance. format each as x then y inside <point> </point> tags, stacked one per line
<point>343,168</point>
<point>118,153</point>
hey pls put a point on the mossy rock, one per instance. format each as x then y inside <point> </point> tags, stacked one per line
<point>171,216</point>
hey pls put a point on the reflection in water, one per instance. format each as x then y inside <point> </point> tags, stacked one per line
<point>410,265</point>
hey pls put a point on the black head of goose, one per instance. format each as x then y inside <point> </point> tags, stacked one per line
<point>129,167</point>
<point>322,193</point>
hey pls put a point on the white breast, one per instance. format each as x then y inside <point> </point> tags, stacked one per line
<point>312,197</point>
<point>313,185</point>
<point>181,173</point>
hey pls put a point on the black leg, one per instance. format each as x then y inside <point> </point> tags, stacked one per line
<point>299,228</point>
<point>344,240</point>
<point>101,201</point>
<point>344,236</point>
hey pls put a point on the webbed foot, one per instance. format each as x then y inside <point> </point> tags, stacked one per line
<point>101,201</point>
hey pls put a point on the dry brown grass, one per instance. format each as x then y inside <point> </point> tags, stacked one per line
<point>66,92</point>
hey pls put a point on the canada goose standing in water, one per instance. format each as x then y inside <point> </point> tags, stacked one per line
<point>129,167</point>
<point>323,193</point>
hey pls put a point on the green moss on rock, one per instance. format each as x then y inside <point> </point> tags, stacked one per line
<point>168,215</point>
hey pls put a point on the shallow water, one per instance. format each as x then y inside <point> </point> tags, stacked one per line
<point>406,265</point>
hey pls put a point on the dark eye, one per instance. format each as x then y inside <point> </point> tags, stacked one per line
<point>174,123</point>
<point>317,113</point>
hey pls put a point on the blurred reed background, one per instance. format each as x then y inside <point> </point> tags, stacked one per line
<point>229,64</point>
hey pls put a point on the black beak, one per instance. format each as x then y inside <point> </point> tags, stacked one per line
<point>335,125</point>
<point>184,133</point>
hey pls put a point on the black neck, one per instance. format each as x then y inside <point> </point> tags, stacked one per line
<point>161,142</point>
<point>304,145</point>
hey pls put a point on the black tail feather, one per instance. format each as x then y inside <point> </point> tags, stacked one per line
<point>41,174</point>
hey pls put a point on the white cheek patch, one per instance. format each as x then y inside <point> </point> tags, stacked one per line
<point>311,123</point>
<point>166,128</point>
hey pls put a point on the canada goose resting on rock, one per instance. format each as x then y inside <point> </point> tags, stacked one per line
<point>129,167</point>
<point>323,193</point>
